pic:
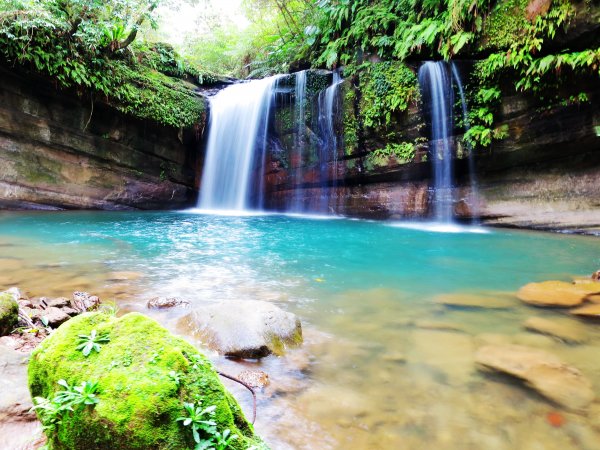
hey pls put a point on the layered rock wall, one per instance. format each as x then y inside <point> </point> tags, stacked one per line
<point>59,151</point>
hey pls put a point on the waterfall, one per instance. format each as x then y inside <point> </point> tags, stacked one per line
<point>328,148</point>
<point>300,137</point>
<point>474,200</point>
<point>436,81</point>
<point>237,130</point>
<point>437,93</point>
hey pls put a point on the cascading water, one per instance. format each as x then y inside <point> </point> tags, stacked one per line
<point>300,138</point>
<point>328,148</point>
<point>238,124</point>
<point>436,80</point>
<point>474,201</point>
<point>437,91</point>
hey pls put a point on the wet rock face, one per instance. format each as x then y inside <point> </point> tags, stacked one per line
<point>50,159</point>
<point>540,370</point>
<point>544,174</point>
<point>245,329</point>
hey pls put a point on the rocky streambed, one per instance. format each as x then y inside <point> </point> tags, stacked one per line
<point>445,361</point>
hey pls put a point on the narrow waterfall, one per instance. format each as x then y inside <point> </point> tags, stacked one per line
<point>435,82</point>
<point>438,81</point>
<point>328,148</point>
<point>474,200</point>
<point>237,134</point>
<point>300,138</point>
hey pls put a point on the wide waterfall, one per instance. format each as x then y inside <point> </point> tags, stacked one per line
<point>436,81</point>
<point>237,134</point>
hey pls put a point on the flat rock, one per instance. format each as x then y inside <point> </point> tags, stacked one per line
<point>166,302</point>
<point>564,330</point>
<point>82,301</point>
<point>245,328</point>
<point>254,378</point>
<point>558,294</point>
<point>439,325</point>
<point>54,316</point>
<point>124,276</point>
<point>591,310</point>
<point>459,300</point>
<point>540,370</point>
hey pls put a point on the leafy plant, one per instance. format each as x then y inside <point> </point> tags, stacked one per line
<point>204,428</point>
<point>65,401</point>
<point>223,440</point>
<point>92,342</point>
<point>200,419</point>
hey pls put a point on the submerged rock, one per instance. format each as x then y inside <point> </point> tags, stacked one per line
<point>558,294</point>
<point>9,313</point>
<point>568,331</point>
<point>254,378</point>
<point>246,328</point>
<point>166,302</point>
<point>459,300</point>
<point>540,370</point>
<point>144,375</point>
<point>591,311</point>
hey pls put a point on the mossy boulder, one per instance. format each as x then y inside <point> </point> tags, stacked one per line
<point>144,376</point>
<point>9,313</point>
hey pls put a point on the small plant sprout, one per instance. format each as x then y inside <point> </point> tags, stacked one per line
<point>175,376</point>
<point>222,441</point>
<point>200,419</point>
<point>92,342</point>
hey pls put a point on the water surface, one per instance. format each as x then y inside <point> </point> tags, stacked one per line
<point>383,364</point>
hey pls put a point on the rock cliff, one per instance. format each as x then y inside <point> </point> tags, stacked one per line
<point>60,151</point>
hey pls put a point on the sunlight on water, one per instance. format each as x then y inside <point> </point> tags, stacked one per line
<point>385,364</point>
<point>440,227</point>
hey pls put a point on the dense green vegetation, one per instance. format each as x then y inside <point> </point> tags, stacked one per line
<point>517,42</point>
<point>95,47</point>
<point>92,46</point>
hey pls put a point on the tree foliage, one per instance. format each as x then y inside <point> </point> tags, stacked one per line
<point>91,46</point>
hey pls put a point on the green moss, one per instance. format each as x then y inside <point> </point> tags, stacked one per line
<point>9,314</point>
<point>505,24</point>
<point>317,81</point>
<point>138,401</point>
<point>349,119</point>
<point>387,88</point>
<point>148,94</point>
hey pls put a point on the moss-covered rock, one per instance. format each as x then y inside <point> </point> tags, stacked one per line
<point>9,313</point>
<point>144,376</point>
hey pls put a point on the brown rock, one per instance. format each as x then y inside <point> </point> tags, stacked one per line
<point>591,311</point>
<point>596,275</point>
<point>54,316</point>
<point>59,302</point>
<point>458,300</point>
<point>82,301</point>
<point>564,330</point>
<point>558,294</point>
<point>254,378</point>
<point>163,302</point>
<point>540,370</point>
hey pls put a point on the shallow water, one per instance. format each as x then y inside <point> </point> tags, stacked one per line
<point>383,365</point>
